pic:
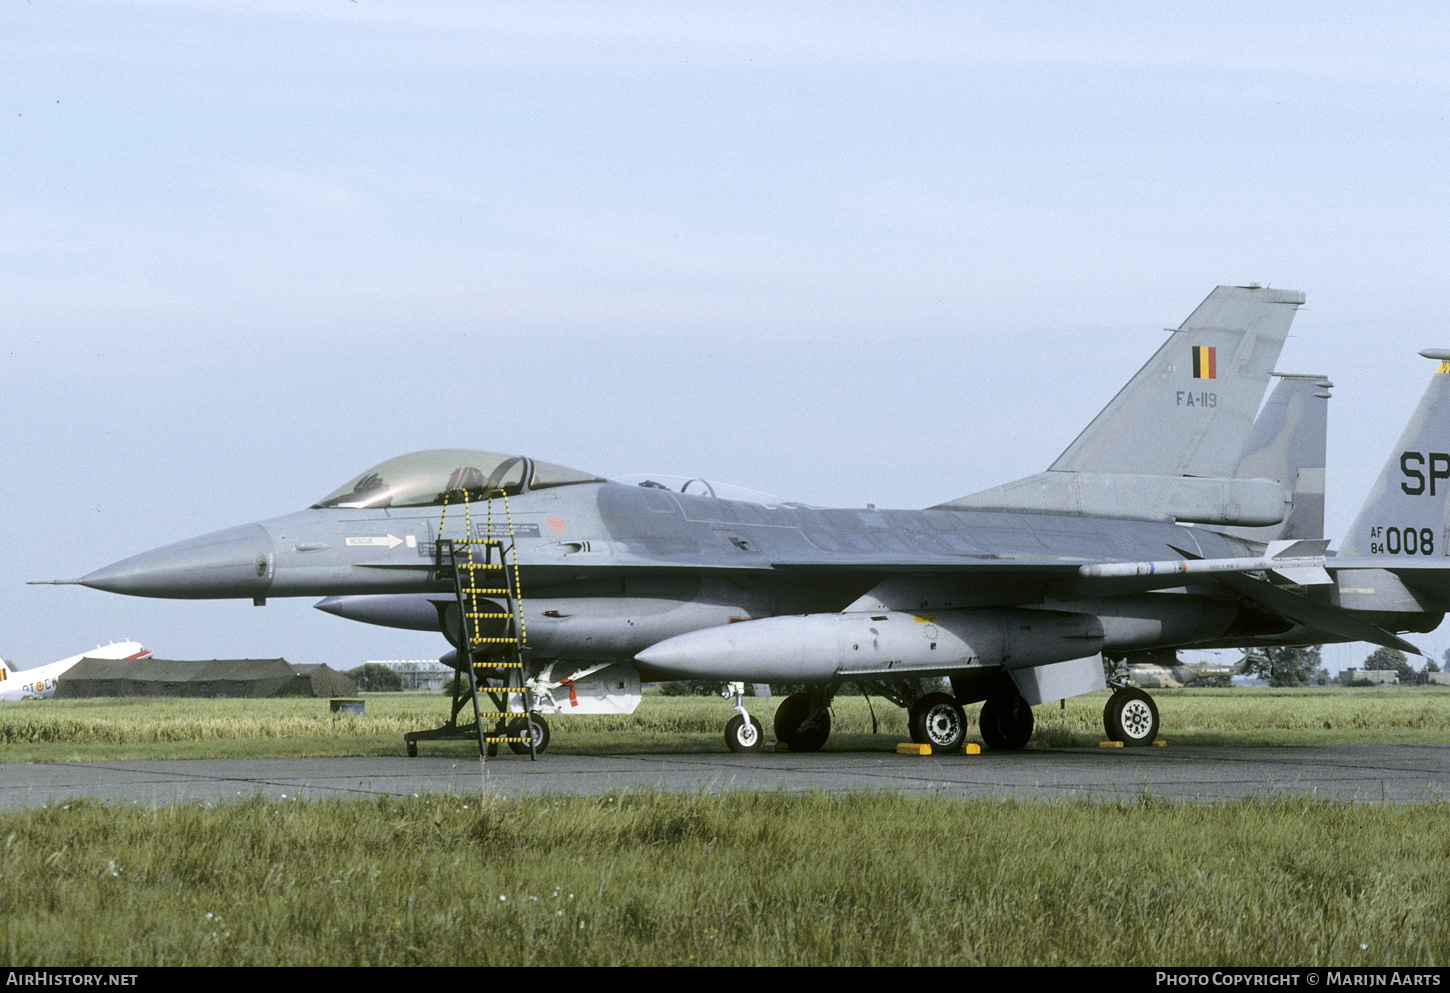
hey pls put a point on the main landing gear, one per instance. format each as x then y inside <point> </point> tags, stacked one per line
<point>803,721</point>
<point>938,720</point>
<point>1006,722</point>
<point>1131,717</point>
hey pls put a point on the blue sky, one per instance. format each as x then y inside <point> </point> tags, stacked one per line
<point>841,252</point>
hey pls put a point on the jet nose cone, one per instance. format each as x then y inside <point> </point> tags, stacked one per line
<point>237,562</point>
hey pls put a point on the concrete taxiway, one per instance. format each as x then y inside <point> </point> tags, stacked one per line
<point>1400,773</point>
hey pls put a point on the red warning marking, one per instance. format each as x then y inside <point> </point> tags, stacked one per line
<point>557,523</point>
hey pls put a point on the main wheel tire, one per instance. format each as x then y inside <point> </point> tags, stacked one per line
<point>742,737</point>
<point>518,729</point>
<point>791,727</point>
<point>1006,722</point>
<point>938,720</point>
<point>1131,717</point>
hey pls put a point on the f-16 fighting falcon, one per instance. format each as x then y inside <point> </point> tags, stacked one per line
<point>1176,520</point>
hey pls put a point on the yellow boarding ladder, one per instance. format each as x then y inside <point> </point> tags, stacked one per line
<point>484,570</point>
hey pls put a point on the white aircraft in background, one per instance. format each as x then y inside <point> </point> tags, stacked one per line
<point>39,683</point>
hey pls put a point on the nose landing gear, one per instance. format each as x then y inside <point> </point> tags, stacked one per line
<point>743,733</point>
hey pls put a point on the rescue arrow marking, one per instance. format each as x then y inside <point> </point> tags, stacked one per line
<point>391,541</point>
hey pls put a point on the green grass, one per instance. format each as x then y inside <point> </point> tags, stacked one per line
<point>727,879</point>
<point>717,879</point>
<point>136,728</point>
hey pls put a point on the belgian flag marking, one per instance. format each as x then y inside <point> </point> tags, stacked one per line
<point>1205,362</point>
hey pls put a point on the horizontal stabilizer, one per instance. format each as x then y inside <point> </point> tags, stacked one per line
<point>1302,610</point>
<point>1313,614</point>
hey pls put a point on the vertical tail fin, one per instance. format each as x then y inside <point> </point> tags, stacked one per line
<point>1287,445</point>
<point>1189,411</point>
<point>1168,445</point>
<point>1407,512</point>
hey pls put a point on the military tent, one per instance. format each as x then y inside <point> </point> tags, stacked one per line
<point>216,678</point>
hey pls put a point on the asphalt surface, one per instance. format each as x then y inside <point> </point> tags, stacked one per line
<point>1401,773</point>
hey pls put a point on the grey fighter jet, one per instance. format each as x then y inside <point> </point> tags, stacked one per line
<point>558,586</point>
<point>1286,445</point>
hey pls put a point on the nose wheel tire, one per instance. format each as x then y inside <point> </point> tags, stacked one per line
<point>743,737</point>
<point>937,720</point>
<point>1006,722</point>
<point>1131,717</point>
<point>516,729</point>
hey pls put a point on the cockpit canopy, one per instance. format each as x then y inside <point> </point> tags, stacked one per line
<point>449,475</point>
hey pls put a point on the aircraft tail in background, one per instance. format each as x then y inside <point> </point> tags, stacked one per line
<point>39,683</point>
<point>1389,574</point>
<point>1406,513</point>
